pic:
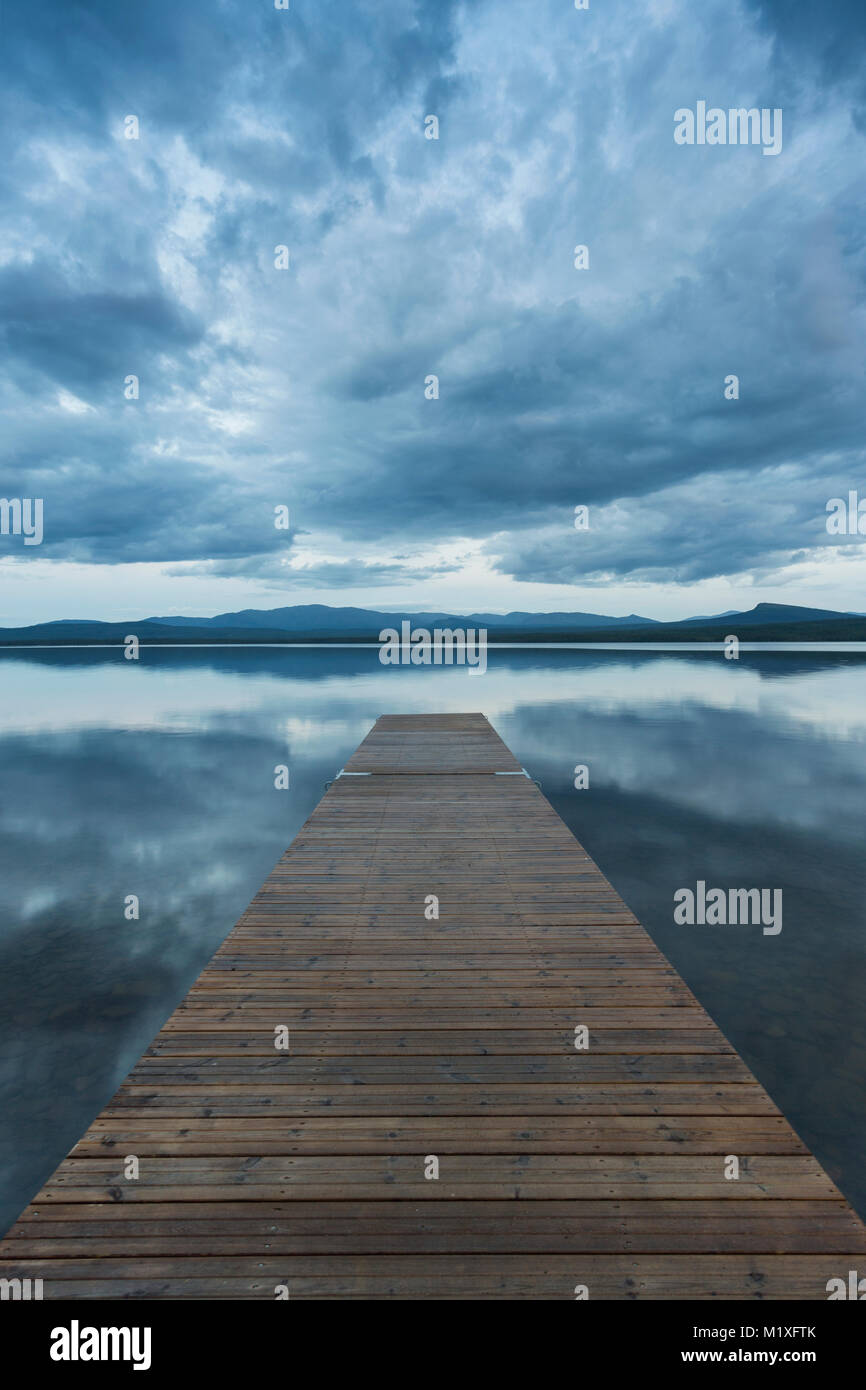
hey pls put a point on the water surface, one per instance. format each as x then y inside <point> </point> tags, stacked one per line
<point>156,779</point>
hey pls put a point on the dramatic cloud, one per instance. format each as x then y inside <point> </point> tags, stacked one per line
<point>411,258</point>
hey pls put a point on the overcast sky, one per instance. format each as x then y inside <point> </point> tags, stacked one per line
<point>411,257</point>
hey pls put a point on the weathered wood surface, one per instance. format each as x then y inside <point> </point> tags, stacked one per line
<point>451,1038</point>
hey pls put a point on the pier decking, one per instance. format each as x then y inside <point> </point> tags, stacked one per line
<point>450,1038</point>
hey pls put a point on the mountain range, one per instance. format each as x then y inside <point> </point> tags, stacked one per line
<point>766,622</point>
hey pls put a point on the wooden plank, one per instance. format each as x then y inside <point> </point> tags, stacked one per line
<point>452,1037</point>
<point>762,1277</point>
<point>400,1042</point>
<point>624,1098</point>
<point>268,1073</point>
<point>638,1134</point>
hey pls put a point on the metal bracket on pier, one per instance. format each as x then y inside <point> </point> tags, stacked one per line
<point>344,773</point>
<point>522,773</point>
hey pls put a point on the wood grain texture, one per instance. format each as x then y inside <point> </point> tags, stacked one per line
<point>451,1038</point>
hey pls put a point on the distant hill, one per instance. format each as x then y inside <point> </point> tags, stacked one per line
<point>773,613</point>
<point>317,617</point>
<point>766,622</point>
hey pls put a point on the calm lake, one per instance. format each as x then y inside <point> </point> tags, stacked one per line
<point>156,778</point>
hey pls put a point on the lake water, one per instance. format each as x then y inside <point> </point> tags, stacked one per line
<point>157,778</point>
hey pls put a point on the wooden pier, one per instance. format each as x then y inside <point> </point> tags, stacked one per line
<point>416,1041</point>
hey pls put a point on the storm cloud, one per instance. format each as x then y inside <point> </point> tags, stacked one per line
<point>411,258</point>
